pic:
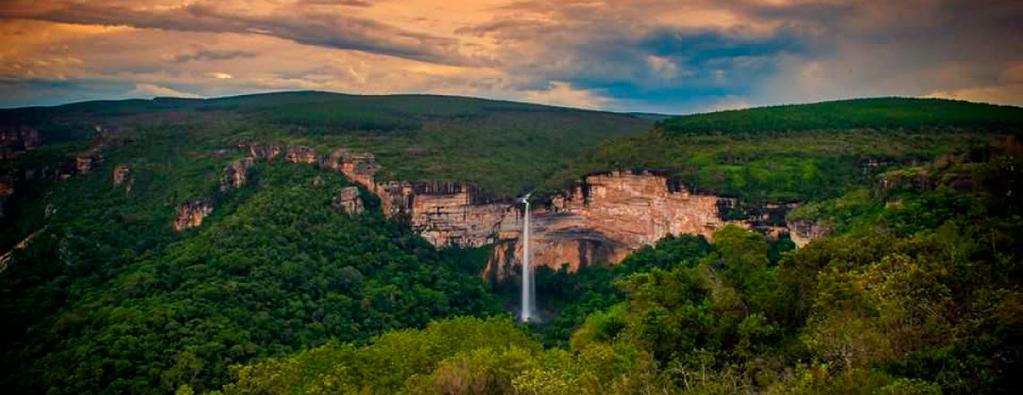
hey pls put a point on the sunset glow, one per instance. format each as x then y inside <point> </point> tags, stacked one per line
<point>641,55</point>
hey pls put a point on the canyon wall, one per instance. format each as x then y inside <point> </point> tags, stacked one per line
<point>603,219</point>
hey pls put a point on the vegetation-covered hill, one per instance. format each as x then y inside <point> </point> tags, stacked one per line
<point>503,147</point>
<point>279,292</point>
<point>880,113</point>
<point>804,152</point>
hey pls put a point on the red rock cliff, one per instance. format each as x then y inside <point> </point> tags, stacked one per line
<point>604,219</point>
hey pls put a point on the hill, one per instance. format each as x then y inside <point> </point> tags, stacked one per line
<point>503,147</point>
<point>102,295</point>
<point>875,113</point>
<point>804,152</point>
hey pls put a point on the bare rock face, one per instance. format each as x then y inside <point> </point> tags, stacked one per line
<point>122,177</point>
<point>301,154</point>
<point>85,163</point>
<point>358,167</point>
<point>265,152</point>
<point>236,174</point>
<point>349,201</point>
<point>452,214</point>
<point>191,214</point>
<point>604,219</point>
<point>6,190</point>
<point>802,232</point>
<point>16,140</point>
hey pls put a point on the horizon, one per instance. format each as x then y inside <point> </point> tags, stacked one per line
<point>647,56</point>
<point>502,100</point>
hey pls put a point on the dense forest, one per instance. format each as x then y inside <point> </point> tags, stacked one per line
<point>920,297</point>
<point>916,289</point>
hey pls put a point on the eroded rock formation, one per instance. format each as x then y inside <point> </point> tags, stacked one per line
<point>350,202</point>
<point>301,154</point>
<point>15,140</point>
<point>605,218</point>
<point>191,214</point>
<point>236,174</point>
<point>6,190</point>
<point>802,232</point>
<point>122,177</point>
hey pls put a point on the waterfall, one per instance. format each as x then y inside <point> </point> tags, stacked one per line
<point>528,292</point>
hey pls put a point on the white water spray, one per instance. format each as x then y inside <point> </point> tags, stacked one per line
<point>528,295</point>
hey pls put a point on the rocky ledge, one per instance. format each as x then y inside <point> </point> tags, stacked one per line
<point>603,219</point>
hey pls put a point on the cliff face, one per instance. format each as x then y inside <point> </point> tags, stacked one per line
<point>803,232</point>
<point>236,174</point>
<point>16,140</point>
<point>122,177</point>
<point>604,219</point>
<point>191,214</point>
<point>349,201</point>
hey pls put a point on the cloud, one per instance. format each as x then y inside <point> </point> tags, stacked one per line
<point>313,26</point>
<point>638,55</point>
<point>210,54</point>
<point>564,94</point>
<point>153,90</point>
<point>220,76</point>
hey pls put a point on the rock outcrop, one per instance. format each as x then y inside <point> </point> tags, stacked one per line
<point>605,218</point>
<point>265,152</point>
<point>15,140</point>
<point>191,214</point>
<point>452,214</point>
<point>350,202</point>
<point>236,174</point>
<point>301,154</point>
<point>6,190</point>
<point>122,177</point>
<point>802,232</point>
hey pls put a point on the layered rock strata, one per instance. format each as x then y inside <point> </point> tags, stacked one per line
<point>236,174</point>
<point>603,219</point>
<point>802,232</point>
<point>349,201</point>
<point>122,177</point>
<point>191,214</point>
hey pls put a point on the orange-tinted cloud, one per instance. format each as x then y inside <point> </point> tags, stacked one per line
<point>649,55</point>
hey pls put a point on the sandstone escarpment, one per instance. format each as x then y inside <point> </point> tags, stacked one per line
<point>802,232</point>
<point>122,177</point>
<point>604,219</point>
<point>236,174</point>
<point>266,152</point>
<point>301,154</point>
<point>16,140</point>
<point>455,215</point>
<point>349,201</point>
<point>6,190</point>
<point>191,214</point>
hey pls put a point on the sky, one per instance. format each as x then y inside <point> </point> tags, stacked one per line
<point>666,56</point>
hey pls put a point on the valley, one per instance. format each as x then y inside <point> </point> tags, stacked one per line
<point>315,242</point>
